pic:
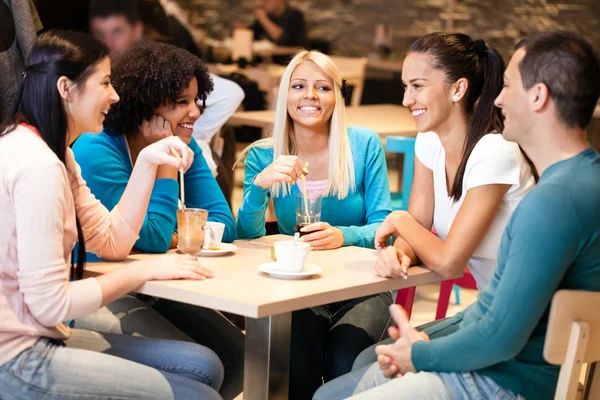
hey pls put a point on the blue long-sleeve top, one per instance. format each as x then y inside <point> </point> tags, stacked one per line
<point>106,167</point>
<point>357,216</point>
<point>551,242</point>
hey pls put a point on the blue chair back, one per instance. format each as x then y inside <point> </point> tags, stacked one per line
<point>403,145</point>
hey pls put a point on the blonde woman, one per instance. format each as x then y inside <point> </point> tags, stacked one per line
<point>347,167</point>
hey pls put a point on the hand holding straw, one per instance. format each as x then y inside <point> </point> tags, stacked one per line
<point>181,181</point>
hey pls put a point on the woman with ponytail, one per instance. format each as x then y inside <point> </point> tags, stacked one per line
<point>468,179</point>
<point>45,207</point>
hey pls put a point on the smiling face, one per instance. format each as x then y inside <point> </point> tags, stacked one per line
<point>513,100</point>
<point>91,102</point>
<point>427,94</point>
<point>183,113</point>
<point>311,98</point>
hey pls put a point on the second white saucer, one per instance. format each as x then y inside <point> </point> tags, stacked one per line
<point>308,271</point>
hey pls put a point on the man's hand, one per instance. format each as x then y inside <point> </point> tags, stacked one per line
<point>395,359</point>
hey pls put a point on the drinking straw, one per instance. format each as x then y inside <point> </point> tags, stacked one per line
<point>181,180</point>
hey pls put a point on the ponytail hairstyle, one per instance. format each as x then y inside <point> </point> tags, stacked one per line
<point>458,56</point>
<point>38,102</point>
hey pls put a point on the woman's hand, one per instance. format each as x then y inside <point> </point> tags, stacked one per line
<point>322,236</point>
<point>176,266</point>
<point>388,229</point>
<point>169,151</point>
<point>156,129</point>
<point>283,169</point>
<point>392,263</point>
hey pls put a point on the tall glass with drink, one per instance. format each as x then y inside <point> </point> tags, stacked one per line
<point>308,211</point>
<point>192,228</point>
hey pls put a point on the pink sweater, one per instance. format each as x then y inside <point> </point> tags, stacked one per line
<point>38,198</point>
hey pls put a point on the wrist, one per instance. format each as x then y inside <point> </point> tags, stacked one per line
<point>166,171</point>
<point>258,181</point>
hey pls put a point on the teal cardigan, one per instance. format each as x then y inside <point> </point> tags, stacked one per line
<point>106,167</point>
<point>357,216</point>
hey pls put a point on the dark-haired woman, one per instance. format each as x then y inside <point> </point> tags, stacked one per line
<point>468,179</point>
<point>45,207</point>
<point>159,85</point>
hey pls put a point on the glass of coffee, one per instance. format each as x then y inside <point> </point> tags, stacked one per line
<point>308,211</point>
<point>191,227</point>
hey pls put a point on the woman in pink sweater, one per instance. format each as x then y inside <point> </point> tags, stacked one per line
<point>45,207</point>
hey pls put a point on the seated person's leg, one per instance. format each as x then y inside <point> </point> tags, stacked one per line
<point>309,330</point>
<point>357,324</point>
<point>434,329</point>
<point>211,329</point>
<point>52,371</point>
<point>188,360</point>
<point>428,386</point>
<point>176,321</point>
<point>422,386</point>
<point>131,316</point>
<point>343,386</point>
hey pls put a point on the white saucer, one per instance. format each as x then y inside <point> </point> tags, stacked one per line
<point>224,248</point>
<point>308,271</point>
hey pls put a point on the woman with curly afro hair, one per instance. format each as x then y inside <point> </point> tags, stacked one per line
<point>159,86</point>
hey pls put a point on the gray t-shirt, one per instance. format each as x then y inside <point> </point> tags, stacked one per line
<point>19,24</point>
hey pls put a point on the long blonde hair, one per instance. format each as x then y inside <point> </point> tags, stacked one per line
<point>341,163</point>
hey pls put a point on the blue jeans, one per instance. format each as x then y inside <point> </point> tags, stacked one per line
<point>166,319</point>
<point>119,367</point>
<point>327,339</point>
<point>429,386</point>
<point>366,380</point>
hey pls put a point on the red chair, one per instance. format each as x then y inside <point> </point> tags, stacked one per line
<point>406,297</point>
<point>467,281</point>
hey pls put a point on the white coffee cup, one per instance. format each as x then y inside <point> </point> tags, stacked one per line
<point>214,234</point>
<point>291,258</point>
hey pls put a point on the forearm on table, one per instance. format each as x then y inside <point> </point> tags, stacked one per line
<point>403,245</point>
<point>430,249</point>
<point>120,282</point>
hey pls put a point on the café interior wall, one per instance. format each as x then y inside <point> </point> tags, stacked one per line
<point>350,24</point>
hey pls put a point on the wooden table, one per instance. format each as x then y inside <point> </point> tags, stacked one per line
<point>385,119</point>
<point>260,48</point>
<point>267,302</point>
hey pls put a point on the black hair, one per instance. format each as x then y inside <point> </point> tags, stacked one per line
<point>108,8</point>
<point>38,102</point>
<point>567,64</point>
<point>150,74</point>
<point>458,56</point>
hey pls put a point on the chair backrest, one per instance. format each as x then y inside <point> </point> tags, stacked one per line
<point>573,338</point>
<point>404,145</point>
<point>353,69</point>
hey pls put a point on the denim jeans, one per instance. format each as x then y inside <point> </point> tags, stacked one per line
<point>166,319</point>
<point>429,386</point>
<point>327,339</point>
<point>366,380</point>
<point>434,329</point>
<point>120,367</point>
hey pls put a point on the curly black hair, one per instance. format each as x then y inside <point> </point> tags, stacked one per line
<point>148,75</point>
